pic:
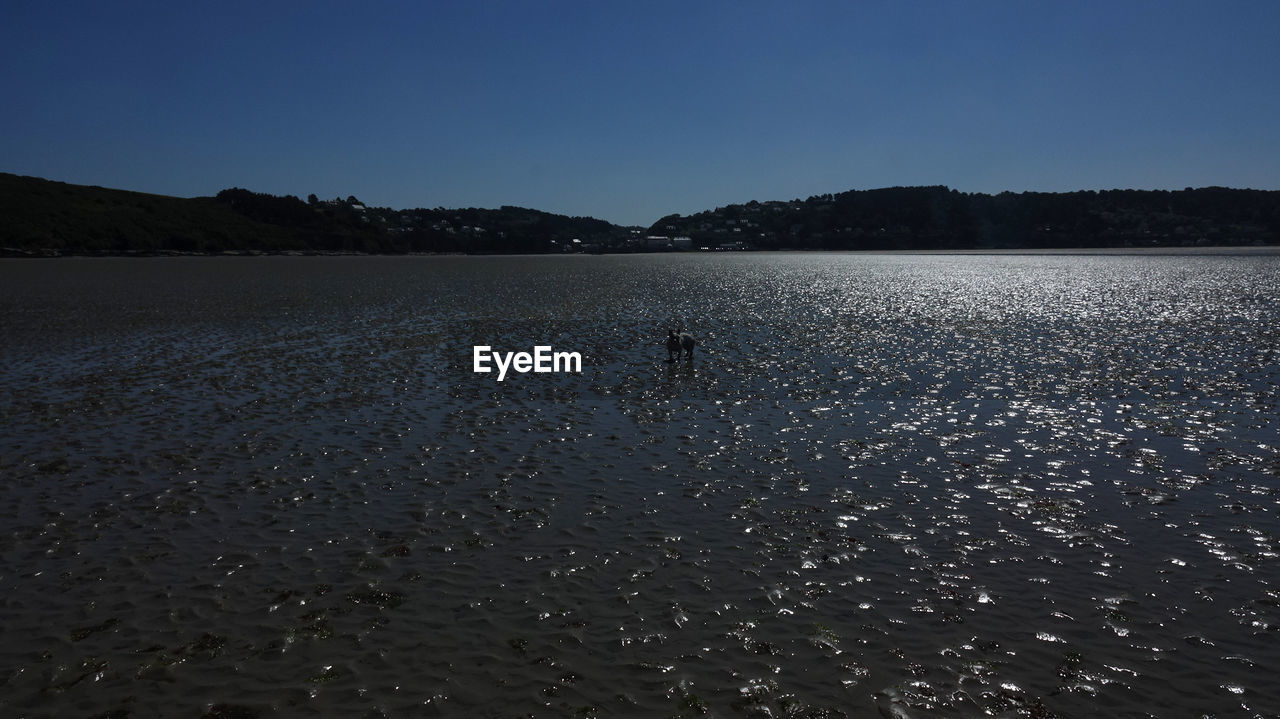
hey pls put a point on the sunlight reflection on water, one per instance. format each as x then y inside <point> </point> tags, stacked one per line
<point>915,483</point>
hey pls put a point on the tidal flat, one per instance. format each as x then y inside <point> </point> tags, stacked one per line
<point>885,485</point>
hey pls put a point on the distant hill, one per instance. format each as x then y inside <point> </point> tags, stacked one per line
<point>917,218</point>
<point>44,218</point>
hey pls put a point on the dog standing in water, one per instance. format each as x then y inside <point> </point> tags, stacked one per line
<point>676,343</point>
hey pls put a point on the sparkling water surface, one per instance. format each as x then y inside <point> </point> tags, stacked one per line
<point>886,485</point>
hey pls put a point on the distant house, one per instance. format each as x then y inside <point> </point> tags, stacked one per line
<point>655,243</point>
<point>682,243</point>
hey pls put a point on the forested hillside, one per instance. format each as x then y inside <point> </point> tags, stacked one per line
<point>917,218</point>
<point>43,218</point>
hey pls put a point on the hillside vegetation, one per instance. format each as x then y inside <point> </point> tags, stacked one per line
<point>44,218</point>
<point>918,218</point>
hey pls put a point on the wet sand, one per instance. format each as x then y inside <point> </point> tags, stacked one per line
<point>902,485</point>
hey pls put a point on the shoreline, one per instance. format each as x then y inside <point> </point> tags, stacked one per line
<point>9,253</point>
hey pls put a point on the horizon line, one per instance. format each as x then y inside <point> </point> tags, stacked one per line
<point>670,214</point>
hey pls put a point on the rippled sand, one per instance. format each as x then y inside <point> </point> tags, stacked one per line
<point>901,485</point>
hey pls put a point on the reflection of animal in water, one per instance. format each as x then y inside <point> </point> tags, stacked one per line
<point>676,342</point>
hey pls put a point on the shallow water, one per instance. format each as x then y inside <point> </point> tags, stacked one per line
<point>902,485</point>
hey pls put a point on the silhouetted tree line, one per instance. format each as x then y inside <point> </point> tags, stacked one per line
<point>42,217</point>
<point>334,226</point>
<point>338,225</point>
<point>504,230</point>
<point>942,218</point>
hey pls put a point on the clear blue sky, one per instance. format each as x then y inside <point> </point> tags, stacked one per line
<point>629,111</point>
